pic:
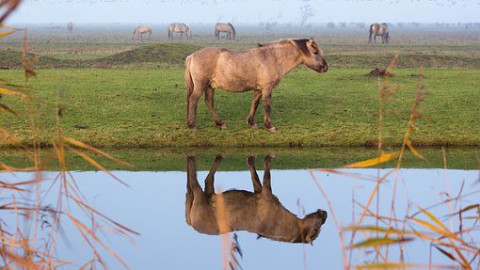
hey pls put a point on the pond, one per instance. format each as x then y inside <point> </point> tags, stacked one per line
<point>154,206</point>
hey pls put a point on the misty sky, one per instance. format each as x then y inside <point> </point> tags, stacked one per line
<point>244,11</point>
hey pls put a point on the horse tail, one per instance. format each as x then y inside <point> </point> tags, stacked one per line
<point>387,37</point>
<point>189,196</point>
<point>188,82</point>
<point>233,30</point>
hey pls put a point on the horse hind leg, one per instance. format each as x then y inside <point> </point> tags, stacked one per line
<point>209,100</point>
<point>267,105</point>
<point>257,96</point>
<point>193,98</point>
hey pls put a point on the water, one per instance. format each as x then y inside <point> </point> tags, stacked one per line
<point>154,206</point>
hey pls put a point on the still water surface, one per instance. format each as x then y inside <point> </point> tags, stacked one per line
<point>154,205</point>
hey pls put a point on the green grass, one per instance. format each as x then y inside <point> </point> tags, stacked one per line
<point>105,107</point>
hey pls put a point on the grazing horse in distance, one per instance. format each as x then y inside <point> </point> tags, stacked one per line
<point>379,30</point>
<point>140,30</point>
<point>258,212</point>
<point>181,28</point>
<point>225,28</point>
<point>260,69</point>
<point>70,27</point>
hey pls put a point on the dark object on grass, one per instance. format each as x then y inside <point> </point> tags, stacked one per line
<point>80,127</point>
<point>377,72</point>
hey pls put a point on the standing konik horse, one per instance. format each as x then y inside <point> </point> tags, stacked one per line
<point>181,28</point>
<point>225,28</point>
<point>259,69</point>
<point>140,30</point>
<point>379,30</point>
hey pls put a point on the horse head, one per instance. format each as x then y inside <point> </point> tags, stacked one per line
<point>311,225</point>
<point>312,54</point>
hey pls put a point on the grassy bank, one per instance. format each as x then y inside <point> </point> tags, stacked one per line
<point>122,107</point>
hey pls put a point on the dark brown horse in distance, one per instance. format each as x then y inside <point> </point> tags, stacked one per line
<point>379,30</point>
<point>257,212</point>
<point>259,69</point>
<point>225,28</point>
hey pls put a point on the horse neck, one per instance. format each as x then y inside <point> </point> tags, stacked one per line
<point>287,56</point>
<point>286,228</point>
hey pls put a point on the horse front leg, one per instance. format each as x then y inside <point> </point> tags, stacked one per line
<point>257,96</point>
<point>267,105</point>
<point>267,177</point>
<point>209,100</point>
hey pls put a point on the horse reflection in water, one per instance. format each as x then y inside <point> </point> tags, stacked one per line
<point>259,212</point>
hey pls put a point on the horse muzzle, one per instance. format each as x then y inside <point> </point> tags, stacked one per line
<point>323,68</point>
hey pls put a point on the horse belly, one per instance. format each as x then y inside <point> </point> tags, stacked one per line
<point>231,85</point>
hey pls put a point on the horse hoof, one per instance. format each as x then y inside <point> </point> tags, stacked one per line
<point>254,126</point>
<point>272,129</point>
<point>223,126</point>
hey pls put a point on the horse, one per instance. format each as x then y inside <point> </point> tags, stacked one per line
<point>70,27</point>
<point>259,69</point>
<point>226,28</point>
<point>379,30</point>
<point>179,28</point>
<point>140,30</point>
<point>258,212</point>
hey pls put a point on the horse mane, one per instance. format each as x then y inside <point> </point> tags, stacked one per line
<point>299,43</point>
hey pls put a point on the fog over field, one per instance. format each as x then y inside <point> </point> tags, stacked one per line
<point>245,11</point>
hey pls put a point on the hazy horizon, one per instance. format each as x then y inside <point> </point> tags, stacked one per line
<point>243,11</point>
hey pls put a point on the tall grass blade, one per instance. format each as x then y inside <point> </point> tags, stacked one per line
<point>94,150</point>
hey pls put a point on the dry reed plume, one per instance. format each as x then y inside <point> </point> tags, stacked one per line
<point>31,242</point>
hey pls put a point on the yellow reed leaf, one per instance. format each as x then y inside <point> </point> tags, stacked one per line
<point>434,219</point>
<point>375,242</point>
<point>413,149</point>
<point>393,265</point>
<point>6,91</point>
<point>4,34</point>
<point>440,231</point>
<point>374,161</point>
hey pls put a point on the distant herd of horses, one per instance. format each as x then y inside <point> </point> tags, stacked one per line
<point>184,30</point>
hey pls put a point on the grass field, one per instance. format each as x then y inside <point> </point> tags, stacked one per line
<point>117,92</point>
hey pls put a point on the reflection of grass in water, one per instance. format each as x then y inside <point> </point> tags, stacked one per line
<point>31,241</point>
<point>380,233</point>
